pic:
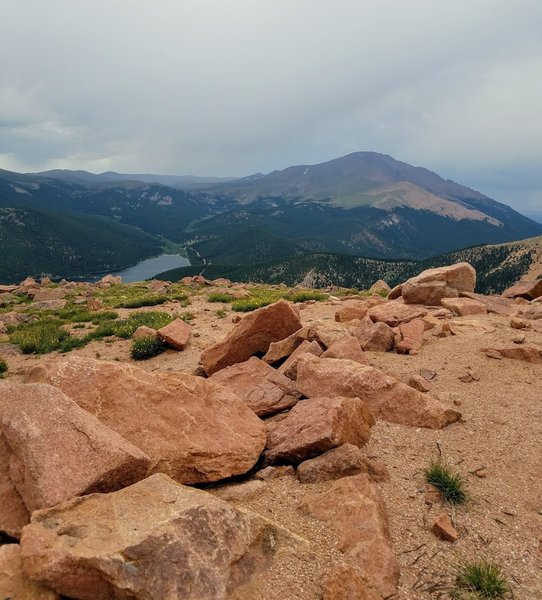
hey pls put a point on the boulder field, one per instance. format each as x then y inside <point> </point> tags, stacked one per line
<point>266,471</point>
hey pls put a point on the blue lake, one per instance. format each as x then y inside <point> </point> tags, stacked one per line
<point>149,267</point>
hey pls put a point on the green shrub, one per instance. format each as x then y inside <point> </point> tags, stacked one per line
<point>221,313</point>
<point>147,347</point>
<point>480,579</point>
<point>187,316</point>
<point>125,328</point>
<point>305,295</point>
<point>43,336</point>
<point>220,297</point>
<point>249,304</point>
<point>3,367</point>
<point>450,484</point>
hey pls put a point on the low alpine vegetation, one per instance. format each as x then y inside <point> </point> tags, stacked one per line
<point>43,336</point>
<point>146,347</point>
<point>3,367</point>
<point>220,297</point>
<point>449,483</point>
<point>479,580</point>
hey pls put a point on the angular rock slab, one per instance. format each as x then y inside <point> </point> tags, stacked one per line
<point>154,539</point>
<point>343,582</point>
<point>253,334</point>
<point>355,508</point>
<point>317,425</point>
<point>463,307</point>
<point>526,353</point>
<point>176,334</point>
<point>347,347</point>
<point>13,513</point>
<point>14,584</point>
<point>262,388</point>
<point>344,461</point>
<point>289,366</point>
<point>386,398</point>
<point>58,450</point>
<point>192,429</point>
<point>525,289</point>
<point>395,312</point>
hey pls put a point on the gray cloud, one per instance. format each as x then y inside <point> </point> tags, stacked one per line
<point>230,88</point>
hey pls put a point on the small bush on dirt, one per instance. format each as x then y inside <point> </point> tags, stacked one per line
<point>221,313</point>
<point>450,484</point>
<point>188,316</point>
<point>479,579</point>
<point>147,347</point>
<point>3,367</point>
<point>220,297</point>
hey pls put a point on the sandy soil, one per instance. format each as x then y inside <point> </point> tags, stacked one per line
<point>497,447</point>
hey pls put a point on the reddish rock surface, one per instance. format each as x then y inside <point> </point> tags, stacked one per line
<point>494,304</point>
<point>155,539</point>
<point>395,312</point>
<point>339,462</point>
<point>176,334</point>
<point>251,335</point>
<point>428,294</point>
<point>355,508</point>
<point>262,388</point>
<point>317,425</point>
<point>525,289</point>
<point>58,450</point>
<point>463,307</point>
<point>526,353</point>
<point>387,398</point>
<point>289,367</point>
<point>346,347</point>
<point>193,429</point>
<point>411,336</point>
<point>379,337</point>
<point>349,313</point>
<point>379,287</point>
<point>13,514</point>
<point>442,527</point>
<point>145,332</point>
<point>343,582</point>
<point>14,584</point>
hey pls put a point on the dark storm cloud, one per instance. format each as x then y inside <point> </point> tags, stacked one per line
<point>230,88</point>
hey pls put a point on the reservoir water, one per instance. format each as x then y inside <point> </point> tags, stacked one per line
<point>148,268</point>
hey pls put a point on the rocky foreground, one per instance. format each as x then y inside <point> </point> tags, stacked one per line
<point>278,455</point>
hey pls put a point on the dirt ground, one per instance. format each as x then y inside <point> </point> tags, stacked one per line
<point>497,447</point>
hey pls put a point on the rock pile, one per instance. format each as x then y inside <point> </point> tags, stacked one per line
<point>97,458</point>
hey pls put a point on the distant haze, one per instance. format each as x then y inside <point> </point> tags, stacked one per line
<point>213,88</point>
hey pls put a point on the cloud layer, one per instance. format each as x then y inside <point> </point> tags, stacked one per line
<point>209,87</point>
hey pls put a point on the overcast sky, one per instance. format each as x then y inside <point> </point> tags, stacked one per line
<point>233,87</point>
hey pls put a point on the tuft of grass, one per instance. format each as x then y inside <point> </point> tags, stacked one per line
<point>450,484</point>
<point>220,297</point>
<point>3,367</point>
<point>137,295</point>
<point>125,327</point>
<point>188,316</point>
<point>147,347</point>
<point>304,295</point>
<point>221,313</point>
<point>44,336</point>
<point>479,579</point>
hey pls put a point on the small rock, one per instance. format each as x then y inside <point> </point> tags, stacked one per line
<point>429,375</point>
<point>275,472</point>
<point>517,323</point>
<point>145,332</point>
<point>442,527</point>
<point>419,383</point>
<point>176,334</point>
<point>519,339</point>
<point>490,353</point>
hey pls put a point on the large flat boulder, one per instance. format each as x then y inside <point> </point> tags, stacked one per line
<point>432,285</point>
<point>464,307</point>
<point>346,347</point>
<point>494,304</point>
<point>155,539</point>
<point>14,514</point>
<point>263,389</point>
<point>386,397</point>
<point>529,289</point>
<point>354,507</point>
<point>394,312</point>
<point>252,335</point>
<point>193,429</point>
<point>58,450</point>
<point>317,425</point>
<point>379,337</point>
<point>528,354</point>
<point>14,584</point>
